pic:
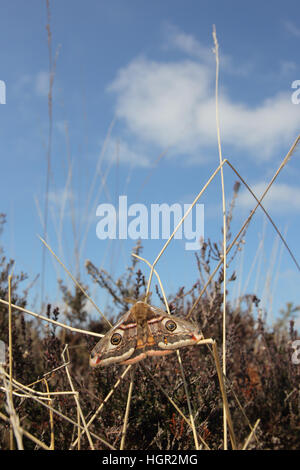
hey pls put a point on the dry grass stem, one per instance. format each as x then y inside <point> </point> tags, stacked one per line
<point>224,225</point>
<point>27,434</point>
<point>180,223</point>
<point>229,247</point>
<point>249,438</point>
<point>126,416</point>
<point>50,417</point>
<point>105,400</point>
<point>158,278</point>
<point>76,398</point>
<point>76,282</point>
<point>157,384</point>
<point>188,400</point>
<point>49,320</point>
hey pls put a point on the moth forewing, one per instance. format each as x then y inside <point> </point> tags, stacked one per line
<point>109,351</point>
<point>174,332</point>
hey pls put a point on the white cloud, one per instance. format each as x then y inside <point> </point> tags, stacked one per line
<point>172,104</point>
<point>158,101</point>
<point>118,150</point>
<point>281,197</point>
<point>262,129</point>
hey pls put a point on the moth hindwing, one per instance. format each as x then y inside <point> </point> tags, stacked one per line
<point>143,331</point>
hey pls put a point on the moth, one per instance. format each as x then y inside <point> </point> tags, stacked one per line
<point>143,331</point>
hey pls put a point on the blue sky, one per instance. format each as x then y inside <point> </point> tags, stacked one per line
<point>134,80</point>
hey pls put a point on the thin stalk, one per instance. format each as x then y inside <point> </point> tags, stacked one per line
<point>27,434</point>
<point>224,396</point>
<point>224,224</point>
<point>188,401</point>
<point>249,438</point>
<point>51,417</point>
<point>157,384</point>
<point>158,278</point>
<point>126,416</point>
<point>104,401</point>
<point>180,223</point>
<point>76,398</point>
<point>49,320</point>
<point>283,163</point>
<point>11,434</point>
<point>69,420</point>
<point>75,281</point>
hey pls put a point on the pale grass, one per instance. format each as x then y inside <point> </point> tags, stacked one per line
<point>76,395</point>
<point>52,443</point>
<point>53,322</point>
<point>71,421</point>
<point>24,395</point>
<point>224,397</point>
<point>282,238</point>
<point>76,282</point>
<point>15,429</point>
<point>105,400</point>
<point>224,225</point>
<point>157,384</point>
<point>188,400</point>
<point>240,406</point>
<point>180,223</point>
<point>158,278</point>
<point>225,402</point>
<point>52,70</point>
<point>252,433</point>
<point>126,416</point>
<point>11,439</point>
<point>48,373</point>
<point>39,397</point>
<point>103,182</point>
<point>27,434</point>
<point>191,420</point>
<point>220,376</point>
<point>247,221</point>
<point>178,354</point>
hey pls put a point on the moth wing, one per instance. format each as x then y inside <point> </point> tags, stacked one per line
<point>172,332</point>
<point>117,345</point>
<point>187,323</point>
